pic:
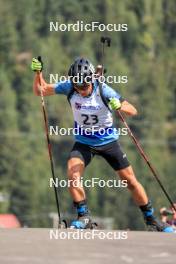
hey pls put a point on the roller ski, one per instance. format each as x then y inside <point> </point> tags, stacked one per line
<point>83,222</point>
<point>156,225</point>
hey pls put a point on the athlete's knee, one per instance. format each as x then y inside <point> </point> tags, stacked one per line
<point>128,175</point>
<point>73,173</point>
<point>132,183</point>
<point>75,168</point>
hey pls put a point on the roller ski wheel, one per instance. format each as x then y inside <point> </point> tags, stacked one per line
<point>63,224</point>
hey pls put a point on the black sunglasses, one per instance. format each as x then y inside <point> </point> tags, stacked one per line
<point>82,87</point>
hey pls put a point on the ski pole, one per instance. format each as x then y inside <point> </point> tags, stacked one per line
<point>141,151</point>
<point>49,143</point>
<point>107,40</point>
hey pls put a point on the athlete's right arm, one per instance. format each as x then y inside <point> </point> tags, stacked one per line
<point>41,85</point>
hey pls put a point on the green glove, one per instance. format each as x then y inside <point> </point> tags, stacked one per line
<point>114,104</point>
<point>36,65</point>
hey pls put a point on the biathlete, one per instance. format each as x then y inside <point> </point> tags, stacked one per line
<point>92,104</point>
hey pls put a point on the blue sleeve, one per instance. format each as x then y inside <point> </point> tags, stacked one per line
<point>63,87</point>
<point>108,93</point>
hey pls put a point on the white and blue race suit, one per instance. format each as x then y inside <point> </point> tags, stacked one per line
<point>92,118</point>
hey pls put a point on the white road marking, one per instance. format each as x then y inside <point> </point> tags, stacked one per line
<point>127,259</point>
<point>161,255</point>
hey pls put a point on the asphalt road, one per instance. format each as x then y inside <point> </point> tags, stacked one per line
<point>48,246</point>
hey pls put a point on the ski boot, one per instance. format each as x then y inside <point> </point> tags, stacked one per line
<point>153,224</point>
<point>83,221</point>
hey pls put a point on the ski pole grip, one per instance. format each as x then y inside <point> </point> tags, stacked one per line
<point>106,40</point>
<point>39,58</point>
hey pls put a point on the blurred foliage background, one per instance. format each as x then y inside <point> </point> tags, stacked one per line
<point>145,53</point>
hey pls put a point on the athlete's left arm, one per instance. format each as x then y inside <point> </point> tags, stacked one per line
<point>117,102</point>
<point>128,108</point>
